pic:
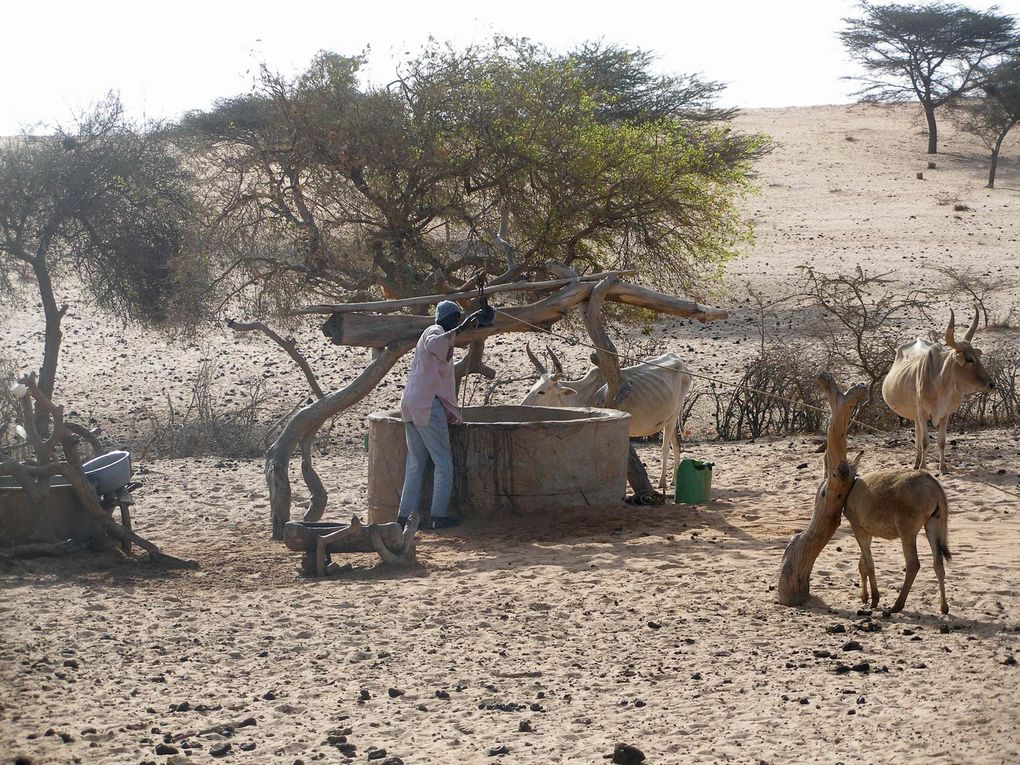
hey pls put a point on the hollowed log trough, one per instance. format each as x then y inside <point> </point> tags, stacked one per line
<point>318,541</point>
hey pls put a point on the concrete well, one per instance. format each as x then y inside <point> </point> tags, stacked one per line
<point>509,460</point>
<point>59,517</point>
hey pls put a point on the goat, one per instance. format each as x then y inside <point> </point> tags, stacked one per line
<point>893,504</point>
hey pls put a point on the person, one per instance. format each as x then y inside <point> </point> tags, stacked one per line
<point>428,406</point>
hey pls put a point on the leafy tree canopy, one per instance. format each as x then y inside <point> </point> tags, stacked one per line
<point>930,52</point>
<point>500,157</point>
<point>993,109</point>
<point>105,202</point>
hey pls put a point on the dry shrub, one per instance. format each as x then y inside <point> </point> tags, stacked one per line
<point>209,425</point>
<point>767,401</point>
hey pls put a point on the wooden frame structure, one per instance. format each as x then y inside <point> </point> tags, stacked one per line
<point>374,325</point>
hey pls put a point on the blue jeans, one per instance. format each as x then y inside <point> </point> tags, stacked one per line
<point>429,442</point>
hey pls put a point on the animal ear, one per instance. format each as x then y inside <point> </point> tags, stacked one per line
<point>857,459</point>
<point>567,391</point>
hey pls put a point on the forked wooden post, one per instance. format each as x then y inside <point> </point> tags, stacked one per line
<point>805,547</point>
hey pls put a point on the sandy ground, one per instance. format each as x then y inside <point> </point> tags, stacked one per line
<point>553,637</point>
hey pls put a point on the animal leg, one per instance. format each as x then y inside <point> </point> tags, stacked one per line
<point>931,530</point>
<point>862,567</point>
<point>866,566</point>
<point>920,442</point>
<point>942,444</point>
<point>669,439</point>
<point>913,564</point>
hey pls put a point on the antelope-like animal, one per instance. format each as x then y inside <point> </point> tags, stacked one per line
<point>889,504</point>
<point>927,382</point>
<point>897,504</point>
<point>655,399</point>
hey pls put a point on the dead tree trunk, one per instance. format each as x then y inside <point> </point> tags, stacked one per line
<point>607,359</point>
<point>800,555</point>
<point>304,425</point>
<point>287,344</point>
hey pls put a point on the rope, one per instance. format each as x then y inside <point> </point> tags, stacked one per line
<point>802,404</point>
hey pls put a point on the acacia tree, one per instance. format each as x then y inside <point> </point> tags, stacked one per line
<point>993,111</point>
<point>331,189</point>
<point>104,203</point>
<point>931,52</point>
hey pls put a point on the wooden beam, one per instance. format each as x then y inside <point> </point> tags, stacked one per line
<point>375,331</point>
<point>389,306</point>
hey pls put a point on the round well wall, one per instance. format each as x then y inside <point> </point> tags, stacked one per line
<point>509,460</point>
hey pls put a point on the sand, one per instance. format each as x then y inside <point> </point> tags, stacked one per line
<point>553,637</point>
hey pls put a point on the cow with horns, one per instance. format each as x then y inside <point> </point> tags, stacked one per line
<point>654,401</point>
<point>927,383</point>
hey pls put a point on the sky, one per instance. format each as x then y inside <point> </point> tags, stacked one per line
<point>164,58</point>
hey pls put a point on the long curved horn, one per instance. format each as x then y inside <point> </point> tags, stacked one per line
<point>973,325</point>
<point>556,363</point>
<point>534,360</point>
<point>950,331</point>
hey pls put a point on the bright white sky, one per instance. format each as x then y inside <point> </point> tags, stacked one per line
<point>58,57</point>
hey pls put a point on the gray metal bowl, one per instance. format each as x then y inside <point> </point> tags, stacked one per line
<point>109,472</point>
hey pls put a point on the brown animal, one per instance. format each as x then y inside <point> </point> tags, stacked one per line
<point>896,504</point>
<point>927,382</point>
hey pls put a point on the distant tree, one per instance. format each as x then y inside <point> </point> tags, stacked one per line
<point>931,52</point>
<point>993,110</point>
<point>498,157</point>
<point>104,203</point>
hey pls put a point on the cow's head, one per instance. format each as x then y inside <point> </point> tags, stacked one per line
<point>970,373</point>
<point>548,391</point>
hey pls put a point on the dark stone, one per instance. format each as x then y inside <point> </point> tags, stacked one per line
<point>525,727</point>
<point>222,750</point>
<point>395,693</point>
<point>442,694</point>
<point>499,750</point>
<point>852,645</point>
<point>626,754</point>
<point>377,754</point>
<point>364,695</point>
<point>269,696</point>
<point>247,746</point>
<point>836,629</point>
<point>166,749</point>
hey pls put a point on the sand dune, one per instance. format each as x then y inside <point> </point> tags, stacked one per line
<point>555,638</point>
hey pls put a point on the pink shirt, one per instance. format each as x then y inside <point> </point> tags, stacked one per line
<point>431,377</point>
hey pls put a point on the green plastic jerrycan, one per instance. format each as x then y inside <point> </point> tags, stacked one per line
<point>693,482</point>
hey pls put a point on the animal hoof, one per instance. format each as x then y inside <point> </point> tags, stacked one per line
<point>945,608</point>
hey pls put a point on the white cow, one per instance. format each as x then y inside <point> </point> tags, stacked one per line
<point>927,382</point>
<point>658,387</point>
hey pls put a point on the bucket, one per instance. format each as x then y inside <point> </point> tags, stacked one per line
<point>693,482</point>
